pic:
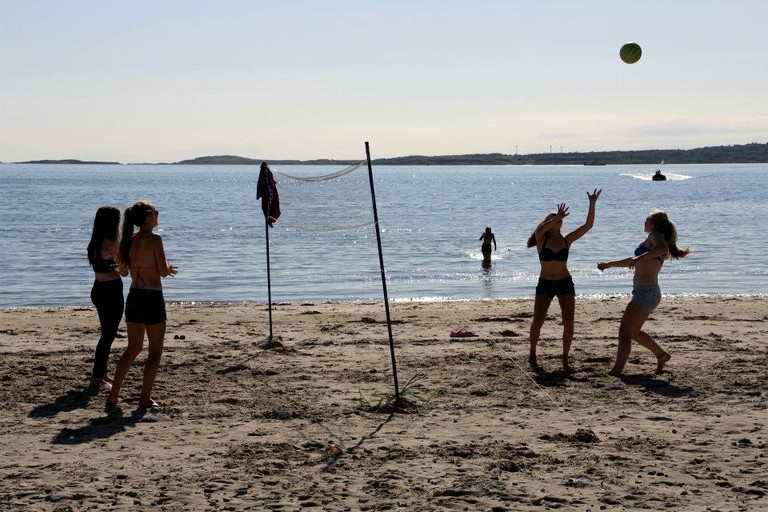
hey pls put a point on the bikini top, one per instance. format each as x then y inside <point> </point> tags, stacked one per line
<point>642,249</point>
<point>136,276</point>
<point>104,266</point>
<point>548,254</point>
<point>137,281</point>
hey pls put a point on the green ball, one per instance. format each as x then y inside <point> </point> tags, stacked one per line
<point>630,53</point>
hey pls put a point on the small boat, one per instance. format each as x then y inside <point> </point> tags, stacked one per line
<point>659,177</point>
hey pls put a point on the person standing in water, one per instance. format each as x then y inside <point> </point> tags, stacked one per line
<point>647,261</point>
<point>554,278</point>
<point>487,237</point>
<point>143,254</point>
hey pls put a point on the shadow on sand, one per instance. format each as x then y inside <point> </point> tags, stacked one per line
<point>113,423</point>
<point>69,401</point>
<point>656,385</point>
<point>557,378</point>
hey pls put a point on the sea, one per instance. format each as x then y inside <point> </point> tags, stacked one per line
<point>325,245</point>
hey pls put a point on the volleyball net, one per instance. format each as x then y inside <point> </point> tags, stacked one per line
<point>334,201</point>
<point>321,203</point>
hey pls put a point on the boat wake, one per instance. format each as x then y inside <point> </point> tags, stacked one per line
<point>649,177</point>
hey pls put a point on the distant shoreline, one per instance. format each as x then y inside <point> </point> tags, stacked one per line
<point>752,153</point>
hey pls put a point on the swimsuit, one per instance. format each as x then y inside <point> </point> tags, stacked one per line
<point>642,249</point>
<point>647,297</point>
<point>555,287</point>
<point>145,307</point>
<point>548,254</point>
<point>104,266</point>
<point>137,279</point>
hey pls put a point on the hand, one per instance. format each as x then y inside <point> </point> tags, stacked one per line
<point>594,195</point>
<point>172,270</point>
<point>562,211</point>
<point>602,266</point>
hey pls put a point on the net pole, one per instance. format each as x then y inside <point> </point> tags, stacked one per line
<point>269,279</point>
<point>383,274</point>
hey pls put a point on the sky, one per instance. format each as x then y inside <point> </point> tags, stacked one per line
<point>166,80</point>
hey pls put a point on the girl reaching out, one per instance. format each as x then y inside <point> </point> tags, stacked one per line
<point>647,261</point>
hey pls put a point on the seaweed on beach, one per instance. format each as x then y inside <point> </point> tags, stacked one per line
<point>411,400</point>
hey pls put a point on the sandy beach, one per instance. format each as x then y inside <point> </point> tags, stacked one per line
<point>304,425</point>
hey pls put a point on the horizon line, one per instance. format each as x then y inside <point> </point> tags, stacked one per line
<point>348,160</point>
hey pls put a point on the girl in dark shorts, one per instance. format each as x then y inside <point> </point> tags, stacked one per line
<point>554,278</point>
<point>107,290</point>
<point>142,253</point>
<point>646,294</point>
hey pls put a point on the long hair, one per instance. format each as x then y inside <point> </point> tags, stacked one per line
<point>532,238</point>
<point>134,216</point>
<point>106,226</point>
<point>666,227</point>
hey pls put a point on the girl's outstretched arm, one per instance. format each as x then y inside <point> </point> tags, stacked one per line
<point>626,262</point>
<point>589,222</point>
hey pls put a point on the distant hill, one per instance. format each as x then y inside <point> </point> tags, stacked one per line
<point>220,160</point>
<point>239,160</point>
<point>735,154</point>
<point>69,161</point>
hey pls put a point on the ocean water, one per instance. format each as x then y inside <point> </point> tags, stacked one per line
<point>324,248</point>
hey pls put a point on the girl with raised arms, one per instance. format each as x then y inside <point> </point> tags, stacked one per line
<point>554,278</point>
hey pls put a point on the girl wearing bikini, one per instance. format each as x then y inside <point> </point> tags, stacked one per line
<point>554,278</point>
<point>649,257</point>
<point>107,290</point>
<point>142,253</point>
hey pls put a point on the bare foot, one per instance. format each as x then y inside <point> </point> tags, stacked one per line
<point>148,405</point>
<point>532,361</point>
<point>615,373</point>
<point>100,384</point>
<point>662,360</point>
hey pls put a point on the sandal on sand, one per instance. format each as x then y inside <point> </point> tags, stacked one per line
<point>151,405</point>
<point>462,333</point>
<point>97,384</point>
